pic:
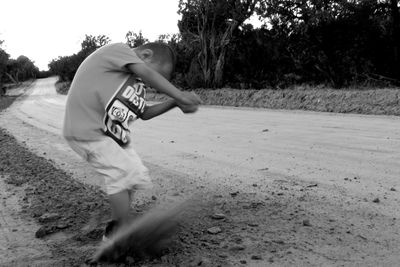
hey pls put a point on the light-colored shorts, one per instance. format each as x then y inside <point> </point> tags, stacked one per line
<point>120,167</point>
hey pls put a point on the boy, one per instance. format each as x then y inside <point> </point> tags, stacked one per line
<point>107,94</point>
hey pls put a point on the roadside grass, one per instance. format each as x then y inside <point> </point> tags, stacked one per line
<point>384,101</point>
<point>356,100</point>
<point>62,87</point>
<point>6,101</point>
<point>26,83</point>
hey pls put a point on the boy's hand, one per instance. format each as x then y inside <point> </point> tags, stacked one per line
<point>188,108</point>
<point>189,102</point>
<point>188,99</point>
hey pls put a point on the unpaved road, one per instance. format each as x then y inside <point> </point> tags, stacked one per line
<point>317,174</point>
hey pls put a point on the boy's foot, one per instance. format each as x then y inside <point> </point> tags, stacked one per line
<point>111,228</point>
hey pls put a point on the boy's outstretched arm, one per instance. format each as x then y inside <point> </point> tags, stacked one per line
<point>158,109</point>
<point>158,82</point>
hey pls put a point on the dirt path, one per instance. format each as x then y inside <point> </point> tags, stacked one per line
<point>296,188</point>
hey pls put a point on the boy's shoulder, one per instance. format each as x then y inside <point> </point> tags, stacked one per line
<point>118,54</point>
<point>117,46</point>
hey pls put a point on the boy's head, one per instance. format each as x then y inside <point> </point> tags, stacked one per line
<point>158,56</point>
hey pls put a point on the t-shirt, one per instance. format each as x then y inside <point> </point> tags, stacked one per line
<point>104,97</point>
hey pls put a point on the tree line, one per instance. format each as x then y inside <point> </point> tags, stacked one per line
<point>337,43</point>
<point>17,70</point>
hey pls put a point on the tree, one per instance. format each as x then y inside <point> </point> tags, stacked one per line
<point>4,57</point>
<point>91,43</point>
<point>339,42</point>
<point>134,40</point>
<point>21,69</point>
<point>207,28</point>
<point>395,16</point>
<point>3,67</point>
<point>258,59</point>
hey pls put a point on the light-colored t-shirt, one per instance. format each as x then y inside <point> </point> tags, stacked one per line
<point>104,96</point>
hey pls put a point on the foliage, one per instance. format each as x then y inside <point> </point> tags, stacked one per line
<point>134,40</point>
<point>91,43</point>
<point>4,57</point>
<point>336,42</point>
<point>15,70</point>
<point>21,69</point>
<point>207,28</point>
<point>62,87</point>
<point>258,59</point>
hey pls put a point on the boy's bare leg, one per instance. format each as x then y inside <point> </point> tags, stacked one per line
<point>120,206</point>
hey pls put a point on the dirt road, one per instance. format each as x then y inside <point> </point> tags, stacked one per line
<point>316,175</point>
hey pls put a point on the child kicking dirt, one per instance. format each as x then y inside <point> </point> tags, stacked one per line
<point>107,94</point>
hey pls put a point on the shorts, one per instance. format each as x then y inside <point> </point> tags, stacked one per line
<point>121,167</point>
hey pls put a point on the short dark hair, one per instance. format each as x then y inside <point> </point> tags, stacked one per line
<point>162,52</point>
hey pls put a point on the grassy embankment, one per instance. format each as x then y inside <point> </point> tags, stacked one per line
<point>385,101</point>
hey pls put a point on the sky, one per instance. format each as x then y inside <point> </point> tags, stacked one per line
<point>43,29</point>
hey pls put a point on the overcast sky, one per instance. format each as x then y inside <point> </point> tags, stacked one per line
<point>45,29</point>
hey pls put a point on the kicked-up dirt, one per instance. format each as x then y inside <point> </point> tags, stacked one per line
<point>264,189</point>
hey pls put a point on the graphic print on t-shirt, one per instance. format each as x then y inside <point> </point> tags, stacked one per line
<point>125,106</point>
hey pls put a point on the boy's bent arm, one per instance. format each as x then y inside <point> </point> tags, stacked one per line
<point>158,109</point>
<point>156,80</point>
